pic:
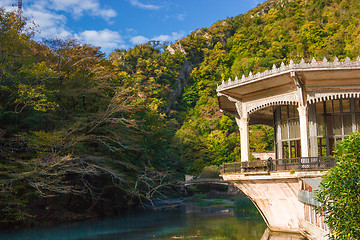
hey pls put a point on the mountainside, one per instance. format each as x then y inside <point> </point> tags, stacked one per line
<point>273,32</point>
<point>83,136</point>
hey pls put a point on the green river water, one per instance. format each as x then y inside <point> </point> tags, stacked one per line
<point>207,219</point>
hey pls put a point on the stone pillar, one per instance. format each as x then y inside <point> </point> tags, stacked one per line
<point>242,121</point>
<point>313,131</point>
<point>303,114</point>
<point>304,133</point>
<point>279,149</point>
<point>353,118</point>
<point>244,137</point>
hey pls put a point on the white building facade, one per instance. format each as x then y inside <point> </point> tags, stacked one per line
<point>310,105</point>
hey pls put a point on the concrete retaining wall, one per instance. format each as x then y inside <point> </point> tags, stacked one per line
<point>277,200</point>
<point>275,194</point>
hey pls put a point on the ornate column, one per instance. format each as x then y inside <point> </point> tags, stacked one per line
<point>242,120</point>
<point>304,136</point>
<point>353,118</point>
<point>278,143</point>
<point>313,131</point>
<point>303,115</point>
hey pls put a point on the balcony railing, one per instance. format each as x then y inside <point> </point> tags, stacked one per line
<point>286,164</point>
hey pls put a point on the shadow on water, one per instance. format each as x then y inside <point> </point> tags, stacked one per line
<point>268,235</point>
<point>204,220</point>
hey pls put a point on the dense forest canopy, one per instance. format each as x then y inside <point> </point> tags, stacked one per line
<point>85,135</point>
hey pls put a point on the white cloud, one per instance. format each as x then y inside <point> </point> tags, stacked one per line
<point>181,16</point>
<point>163,38</point>
<point>139,40</point>
<point>50,24</point>
<point>50,17</point>
<point>8,5</point>
<point>79,7</point>
<point>137,3</point>
<point>169,38</point>
<point>106,39</point>
<point>76,7</point>
<point>131,30</point>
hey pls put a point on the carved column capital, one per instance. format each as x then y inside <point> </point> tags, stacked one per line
<point>303,111</point>
<point>300,88</point>
<point>241,109</point>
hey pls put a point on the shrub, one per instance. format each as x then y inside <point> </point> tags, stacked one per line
<point>211,171</point>
<point>340,190</point>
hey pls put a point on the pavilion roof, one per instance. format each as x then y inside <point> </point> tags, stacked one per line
<point>315,76</point>
<point>314,65</point>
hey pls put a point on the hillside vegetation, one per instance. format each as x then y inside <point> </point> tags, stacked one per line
<point>82,135</point>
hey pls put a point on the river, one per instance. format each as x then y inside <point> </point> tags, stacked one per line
<point>205,219</point>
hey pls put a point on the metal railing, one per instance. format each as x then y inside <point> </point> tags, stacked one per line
<point>197,181</point>
<point>286,164</point>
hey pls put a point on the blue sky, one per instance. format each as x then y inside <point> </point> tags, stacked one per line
<point>115,24</point>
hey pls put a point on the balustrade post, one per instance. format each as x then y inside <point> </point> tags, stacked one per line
<point>270,164</point>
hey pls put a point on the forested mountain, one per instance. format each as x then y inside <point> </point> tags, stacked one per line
<point>82,135</point>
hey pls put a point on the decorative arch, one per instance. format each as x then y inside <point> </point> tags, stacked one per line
<point>284,99</point>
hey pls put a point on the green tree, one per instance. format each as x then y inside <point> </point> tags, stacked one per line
<point>340,190</point>
<point>73,138</point>
<point>261,138</point>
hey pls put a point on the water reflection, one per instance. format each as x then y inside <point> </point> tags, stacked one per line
<point>140,224</point>
<point>192,221</point>
<point>268,235</point>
